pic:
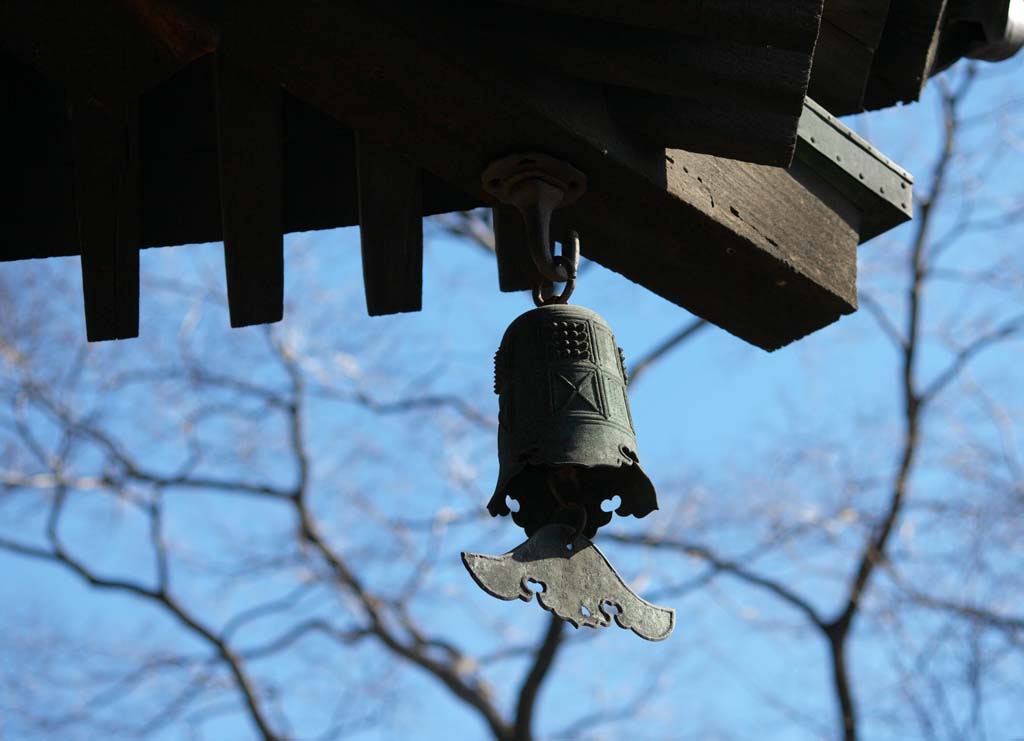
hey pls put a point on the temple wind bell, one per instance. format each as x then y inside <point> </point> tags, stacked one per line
<point>566,444</point>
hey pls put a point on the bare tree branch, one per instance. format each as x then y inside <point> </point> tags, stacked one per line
<point>543,660</point>
<point>879,314</point>
<point>666,346</point>
<point>967,353</point>
<point>163,600</point>
<point>874,550</point>
<point>470,225</point>
<point>719,564</point>
<point>474,693</point>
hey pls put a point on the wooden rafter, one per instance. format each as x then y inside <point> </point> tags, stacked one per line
<point>249,136</point>
<point>390,229</point>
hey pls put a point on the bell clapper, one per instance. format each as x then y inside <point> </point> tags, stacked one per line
<point>566,443</point>
<point>563,483</point>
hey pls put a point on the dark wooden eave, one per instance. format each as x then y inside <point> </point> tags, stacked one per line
<point>766,253</point>
<point>906,53</point>
<point>850,33</point>
<point>875,54</point>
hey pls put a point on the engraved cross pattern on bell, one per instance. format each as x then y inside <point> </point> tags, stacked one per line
<point>580,355</point>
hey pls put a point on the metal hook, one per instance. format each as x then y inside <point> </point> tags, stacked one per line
<point>536,185</point>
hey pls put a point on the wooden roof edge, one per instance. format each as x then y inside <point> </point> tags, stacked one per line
<point>849,35</point>
<point>768,254</point>
<point>874,54</point>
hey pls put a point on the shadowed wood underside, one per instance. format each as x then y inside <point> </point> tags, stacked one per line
<point>649,104</point>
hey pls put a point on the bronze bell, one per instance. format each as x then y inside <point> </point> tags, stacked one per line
<point>566,442</point>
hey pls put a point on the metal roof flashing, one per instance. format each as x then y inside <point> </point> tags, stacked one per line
<point>881,189</point>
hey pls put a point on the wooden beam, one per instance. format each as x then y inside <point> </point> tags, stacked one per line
<point>390,229</point>
<point>104,55</point>
<point>249,149</point>
<point>180,177</point>
<point>757,272</point>
<point>719,249</point>
<point>905,53</point>
<point>105,142</point>
<point>516,271</point>
<point>784,24</point>
<point>840,72</point>
<point>37,210</point>
<point>861,20</point>
<point>420,93</point>
<point>704,93</point>
<point>764,136</point>
<point>850,33</point>
<point>181,185</point>
<point>104,50</point>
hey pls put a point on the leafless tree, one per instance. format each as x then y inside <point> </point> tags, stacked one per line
<point>922,391</point>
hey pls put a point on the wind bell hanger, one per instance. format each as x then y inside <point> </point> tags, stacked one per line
<point>566,443</point>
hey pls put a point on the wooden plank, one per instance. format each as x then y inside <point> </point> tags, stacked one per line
<point>37,204</point>
<point>850,32</point>
<point>785,24</point>
<point>842,65</point>
<point>390,229</point>
<point>103,55</point>
<point>105,50</point>
<point>180,180</point>
<point>105,142</point>
<point>516,271</point>
<point>181,177</point>
<point>422,96</point>
<point>181,196</point>
<point>740,131</point>
<point>699,66</point>
<point>249,148</point>
<point>861,20</point>
<point>773,286</point>
<point>905,53</point>
<point>696,92</point>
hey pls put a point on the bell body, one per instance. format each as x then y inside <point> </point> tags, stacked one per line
<point>566,442</point>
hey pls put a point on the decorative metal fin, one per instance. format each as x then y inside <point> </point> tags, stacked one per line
<point>575,580</point>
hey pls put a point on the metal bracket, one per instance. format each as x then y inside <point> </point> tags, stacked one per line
<point>536,184</point>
